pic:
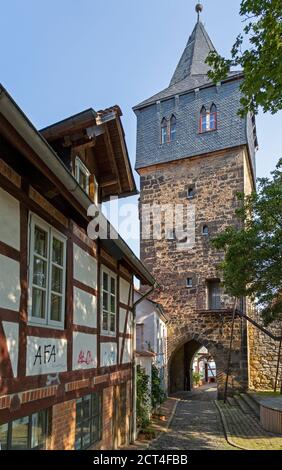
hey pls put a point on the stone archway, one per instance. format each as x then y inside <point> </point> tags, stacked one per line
<point>181,366</point>
<point>181,359</point>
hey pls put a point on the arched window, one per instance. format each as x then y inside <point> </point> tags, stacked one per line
<point>208,119</point>
<point>172,128</point>
<point>213,117</point>
<point>203,120</point>
<point>205,230</point>
<point>164,132</point>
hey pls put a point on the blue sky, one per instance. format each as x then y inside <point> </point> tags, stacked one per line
<point>60,57</point>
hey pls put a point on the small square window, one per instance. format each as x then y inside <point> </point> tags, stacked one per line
<point>190,193</point>
<point>189,282</point>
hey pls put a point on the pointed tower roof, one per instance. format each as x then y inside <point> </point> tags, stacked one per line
<point>193,59</point>
<point>192,71</point>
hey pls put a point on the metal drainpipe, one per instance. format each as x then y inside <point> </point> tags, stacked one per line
<point>134,391</point>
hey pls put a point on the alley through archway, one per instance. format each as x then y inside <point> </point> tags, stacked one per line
<point>196,424</point>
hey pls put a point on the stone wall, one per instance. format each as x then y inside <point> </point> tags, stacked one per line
<point>263,356</point>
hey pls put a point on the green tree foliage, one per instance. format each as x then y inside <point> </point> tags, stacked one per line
<point>143,407</point>
<point>157,394</point>
<point>258,52</point>
<point>253,253</point>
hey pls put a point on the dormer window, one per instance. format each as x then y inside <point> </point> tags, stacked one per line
<point>82,175</point>
<point>208,119</point>
<point>164,131</point>
<point>172,128</point>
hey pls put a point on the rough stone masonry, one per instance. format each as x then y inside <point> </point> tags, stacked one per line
<point>213,165</point>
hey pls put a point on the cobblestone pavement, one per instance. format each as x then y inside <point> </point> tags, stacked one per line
<point>245,431</point>
<point>196,424</point>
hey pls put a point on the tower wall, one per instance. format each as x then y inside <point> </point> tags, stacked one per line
<point>217,178</point>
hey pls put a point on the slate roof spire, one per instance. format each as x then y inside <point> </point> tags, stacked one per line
<point>195,53</point>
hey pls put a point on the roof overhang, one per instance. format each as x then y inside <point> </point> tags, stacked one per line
<point>104,132</point>
<point>21,132</point>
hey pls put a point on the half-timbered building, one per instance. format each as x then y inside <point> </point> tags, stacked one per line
<point>66,301</point>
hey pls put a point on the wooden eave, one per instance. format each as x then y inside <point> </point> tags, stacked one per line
<point>110,153</point>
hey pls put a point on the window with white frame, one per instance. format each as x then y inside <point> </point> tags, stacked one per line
<point>109,301</point>
<point>82,174</point>
<point>47,274</point>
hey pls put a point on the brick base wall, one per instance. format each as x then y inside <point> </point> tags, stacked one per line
<point>63,420</point>
<point>62,436</point>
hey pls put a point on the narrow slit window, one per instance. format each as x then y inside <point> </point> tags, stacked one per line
<point>173,128</point>
<point>190,193</point>
<point>164,131</point>
<point>189,282</point>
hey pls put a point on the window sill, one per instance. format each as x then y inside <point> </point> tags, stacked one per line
<point>206,132</point>
<point>48,327</point>
<point>107,333</point>
<point>226,311</point>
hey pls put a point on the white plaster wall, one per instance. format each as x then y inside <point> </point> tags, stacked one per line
<point>124,287</point>
<point>45,363</point>
<point>84,308</point>
<point>84,353</point>
<point>84,267</point>
<point>146,364</point>
<point>10,289</point>
<point>9,220</point>
<point>108,354</point>
<point>127,352</point>
<point>11,331</point>
<point>122,317</point>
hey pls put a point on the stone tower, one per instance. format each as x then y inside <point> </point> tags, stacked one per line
<point>194,149</point>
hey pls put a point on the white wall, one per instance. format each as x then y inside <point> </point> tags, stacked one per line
<point>84,267</point>
<point>45,355</point>
<point>10,288</point>
<point>127,352</point>
<point>84,308</point>
<point>84,352</point>
<point>124,287</point>
<point>9,220</point>
<point>108,354</point>
<point>11,331</point>
<point>122,317</point>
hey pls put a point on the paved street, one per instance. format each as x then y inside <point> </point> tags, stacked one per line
<point>196,424</point>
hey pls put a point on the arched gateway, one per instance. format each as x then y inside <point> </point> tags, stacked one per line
<point>182,364</point>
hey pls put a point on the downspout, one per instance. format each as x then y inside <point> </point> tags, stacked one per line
<point>134,367</point>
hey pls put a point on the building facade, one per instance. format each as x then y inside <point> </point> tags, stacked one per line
<point>195,151</point>
<point>66,298</point>
<point>151,334</point>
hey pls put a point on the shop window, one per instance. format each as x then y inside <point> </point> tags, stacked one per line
<point>29,432</point>
<point>88,420</point>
